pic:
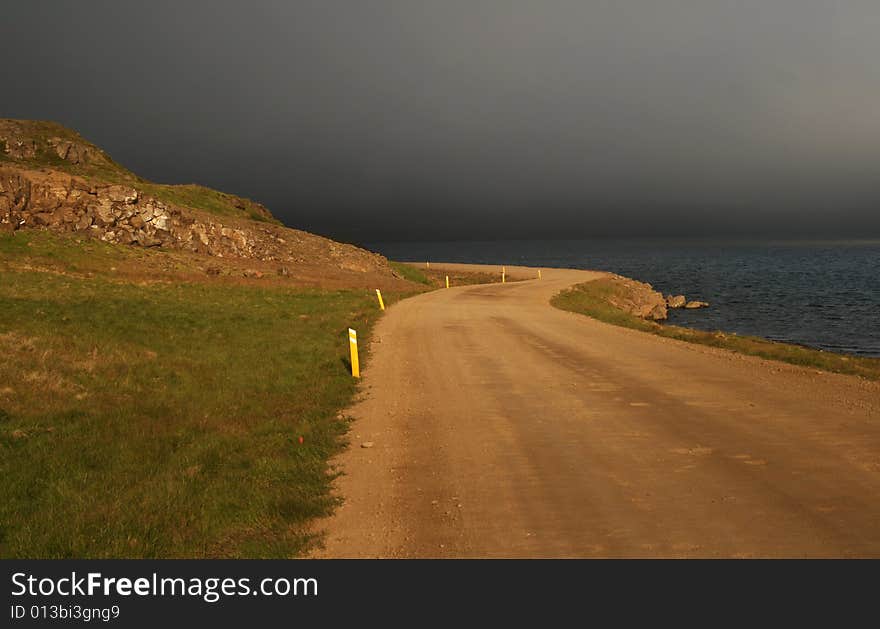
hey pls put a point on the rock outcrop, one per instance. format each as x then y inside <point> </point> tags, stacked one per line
<point>31,140</point>
<point>692,305</point>
<point>676,301</point>
<point>51,178</point>
<point>637,298</point>
<point>121,214</point>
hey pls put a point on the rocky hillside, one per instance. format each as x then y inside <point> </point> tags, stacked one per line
<point>53,179</point>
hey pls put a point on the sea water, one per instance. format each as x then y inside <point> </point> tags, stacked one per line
<point>824,295</point>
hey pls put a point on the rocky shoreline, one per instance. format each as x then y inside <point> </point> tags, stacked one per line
<point>641,300</point>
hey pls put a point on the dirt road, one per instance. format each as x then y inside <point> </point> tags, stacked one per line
<point>503,427</point>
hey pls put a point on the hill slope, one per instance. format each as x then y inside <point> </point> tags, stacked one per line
<point>52,178</point>
<point>172,361</point>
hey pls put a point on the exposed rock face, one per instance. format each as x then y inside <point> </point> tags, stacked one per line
<point>638,298</point>
<point>36,145</point>
<point>692,305</point>
<point>74,152</point>
<point>19,148</point>
<point>57,201</point>
<point>676,301</point>
<point>17,143</point>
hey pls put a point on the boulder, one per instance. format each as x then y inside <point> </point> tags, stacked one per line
<point>676,301</point>
<point>125,237</point>
<point>160,222</point>
<point>693,305</point>
<point>657,313</point>
<point>639,299</point>
<point>122,194</point>
<point>84,222</point>
<point>45,218</point>
<point>63,149</point>
<point>75,152</point>
<point>103,212</point>
<point>145,240</point>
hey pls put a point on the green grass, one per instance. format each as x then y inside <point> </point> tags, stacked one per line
<point>591,298</point>
<point>435,278</point>
<point>409,272</point>
<point>208,200</point>
<point>78,256</point>
<point>163,419</point>
<point>44,247</point>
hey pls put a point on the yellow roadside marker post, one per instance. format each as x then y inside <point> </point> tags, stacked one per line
<point>503,274</point>
<point>427,265</point>
<point>539,273</point>
<point>381,303</point>
<point>353,346</point>
<point>447,281</point>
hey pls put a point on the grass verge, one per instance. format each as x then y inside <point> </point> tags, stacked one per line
<point>591,298</point>
<point>162,419</point>
<point>409,272</point>
<point>435,278</point>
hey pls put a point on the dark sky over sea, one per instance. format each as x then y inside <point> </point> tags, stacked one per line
<point>400,120</point>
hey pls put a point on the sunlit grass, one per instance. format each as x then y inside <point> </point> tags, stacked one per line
<point>163,420</point>
<point>409,272</point>
<point>591,298</point>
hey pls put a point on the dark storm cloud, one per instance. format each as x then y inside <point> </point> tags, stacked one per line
<point>401,119</point>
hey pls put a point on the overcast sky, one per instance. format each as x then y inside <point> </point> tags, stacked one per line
<point>405,119</point>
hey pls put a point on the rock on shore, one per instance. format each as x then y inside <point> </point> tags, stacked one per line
<point>676,301</point>
<point>638,298</point>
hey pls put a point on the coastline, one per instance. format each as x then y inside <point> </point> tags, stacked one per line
<point>820,295</point>
<point>491,424</point>
<point>591,299</point>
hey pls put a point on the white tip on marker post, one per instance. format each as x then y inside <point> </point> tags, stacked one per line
<point>353,346</point>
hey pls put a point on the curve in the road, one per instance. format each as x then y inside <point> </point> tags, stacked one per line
<point>504,427</point>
